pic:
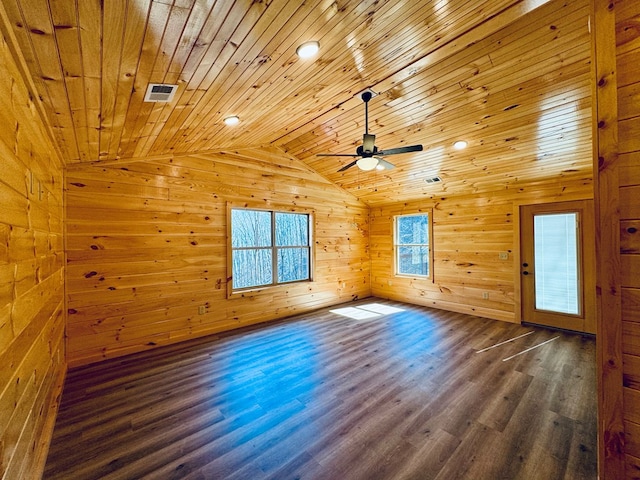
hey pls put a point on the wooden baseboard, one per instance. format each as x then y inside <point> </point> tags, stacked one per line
<point>51,405</point>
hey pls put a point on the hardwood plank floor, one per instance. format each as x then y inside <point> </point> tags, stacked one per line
<point>416,394</point>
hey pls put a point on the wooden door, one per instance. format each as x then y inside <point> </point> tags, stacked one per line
<point>558,265</point>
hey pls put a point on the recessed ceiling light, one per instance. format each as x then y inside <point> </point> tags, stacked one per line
<point>460,145</point>
<point>232,120</point>
<point>308,49</point>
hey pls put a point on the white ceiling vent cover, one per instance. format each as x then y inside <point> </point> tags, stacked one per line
<point>160,92</point>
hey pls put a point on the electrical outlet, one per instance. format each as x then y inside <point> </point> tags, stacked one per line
<point>503,255</point>
<point>202,309</point>
<point>485,295</point>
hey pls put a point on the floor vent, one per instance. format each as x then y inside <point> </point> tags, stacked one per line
<point>433,180</point>
<point>160,92</point>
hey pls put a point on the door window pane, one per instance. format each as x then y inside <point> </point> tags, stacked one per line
<point>556,262</point>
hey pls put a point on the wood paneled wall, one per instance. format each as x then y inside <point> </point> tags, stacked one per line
<point>469,232</point>
<point>32,357</point>
<point>628,193</point>
<point>146,246</point>
<point>616,57</point>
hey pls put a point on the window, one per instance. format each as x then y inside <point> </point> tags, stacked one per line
<point>557,262</point>
<point>412,253</point>
<point>269,248</point>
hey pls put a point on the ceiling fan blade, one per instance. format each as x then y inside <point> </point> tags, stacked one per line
<point>368,143</point>
<point>336,155</point>
<point>385,165</point>
<point>348,165</point>
<point>395,151</point>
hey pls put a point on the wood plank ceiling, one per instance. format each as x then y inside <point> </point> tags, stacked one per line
<point>512,78</point>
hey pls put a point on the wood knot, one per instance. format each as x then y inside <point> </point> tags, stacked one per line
<point>632,230</point>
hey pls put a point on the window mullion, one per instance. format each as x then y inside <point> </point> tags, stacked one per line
<point>274,249</point>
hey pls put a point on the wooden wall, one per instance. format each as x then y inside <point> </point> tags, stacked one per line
<point>32,363</point>
<point>146,246</point>
<point>628,66</point>
<point>469,232</point>
<point>616,47</point>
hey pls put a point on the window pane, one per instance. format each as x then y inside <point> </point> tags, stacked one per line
<point>413,229</point>
<point>292,229</point>
<point>556,262</point>
<point>413,260</point>
<point>293,264</point>
<point>252,268</point>
<point>250,228</point>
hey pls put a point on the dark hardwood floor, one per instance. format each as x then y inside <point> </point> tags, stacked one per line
<point>407,395</point>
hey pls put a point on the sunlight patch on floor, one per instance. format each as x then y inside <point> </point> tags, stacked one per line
<point>364,312</point>
<point>381,309</point>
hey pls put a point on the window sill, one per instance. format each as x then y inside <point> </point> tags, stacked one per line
<point>264,290</point>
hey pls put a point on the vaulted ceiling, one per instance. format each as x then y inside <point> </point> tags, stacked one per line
<point>512,78</point>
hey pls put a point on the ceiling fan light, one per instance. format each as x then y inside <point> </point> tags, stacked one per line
<point>308,49</point>
<point>380,166</point>
<point>367,163</point>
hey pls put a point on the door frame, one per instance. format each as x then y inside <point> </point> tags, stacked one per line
<point>586,321</point>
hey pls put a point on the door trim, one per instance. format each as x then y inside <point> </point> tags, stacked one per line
<point>586,321</point>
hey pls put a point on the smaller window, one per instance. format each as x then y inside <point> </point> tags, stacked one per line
<point>411,244</point>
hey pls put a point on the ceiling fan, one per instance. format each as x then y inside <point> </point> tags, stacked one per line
<point>369,155</point>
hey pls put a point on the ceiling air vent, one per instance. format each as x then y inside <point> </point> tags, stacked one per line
<point>160,92</point>
<point>433,180</point>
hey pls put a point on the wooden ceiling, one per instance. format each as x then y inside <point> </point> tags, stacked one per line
<point>512,78</point>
